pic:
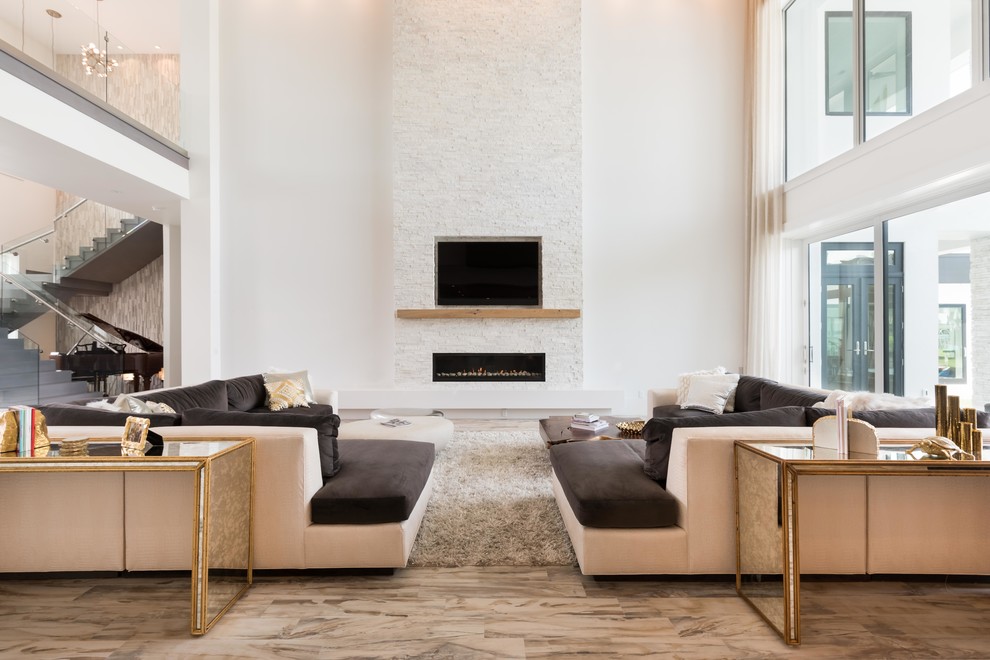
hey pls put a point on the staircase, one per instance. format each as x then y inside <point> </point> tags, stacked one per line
<point>26,379</point>
<point>97,267</point>
<point>26,295</point>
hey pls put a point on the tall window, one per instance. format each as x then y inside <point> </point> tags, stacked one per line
<point>914,54</point>
<point>946,317</point>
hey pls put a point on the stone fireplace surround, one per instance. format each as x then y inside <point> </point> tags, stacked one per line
<point>487,143</point>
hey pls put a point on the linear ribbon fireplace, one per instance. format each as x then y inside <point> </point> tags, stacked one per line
<point>493,367</point>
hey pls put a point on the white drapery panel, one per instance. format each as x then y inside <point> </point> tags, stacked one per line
<point>765,275</point>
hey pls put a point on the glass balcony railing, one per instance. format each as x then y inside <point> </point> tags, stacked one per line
<point>140,79</point>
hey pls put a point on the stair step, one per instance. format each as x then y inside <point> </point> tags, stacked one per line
<point>130,223</point>
<point>26,379</point>
<point>8,344</point>
<point>11,395</point>
<point>81,396</point>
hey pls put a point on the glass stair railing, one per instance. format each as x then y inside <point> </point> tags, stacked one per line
<point>17,286</point>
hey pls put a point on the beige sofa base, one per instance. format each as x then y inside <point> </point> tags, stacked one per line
<point>143,521</point>
<point>848,525</point>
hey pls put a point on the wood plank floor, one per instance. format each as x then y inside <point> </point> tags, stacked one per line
<point>508,612</point>
<point>494,612</point>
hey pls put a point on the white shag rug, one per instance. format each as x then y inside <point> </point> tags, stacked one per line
<point>493,505</point>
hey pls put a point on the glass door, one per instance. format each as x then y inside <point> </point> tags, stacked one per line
<point>848,318</point>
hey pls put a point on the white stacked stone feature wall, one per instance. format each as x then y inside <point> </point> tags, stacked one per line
<point>487,143</point>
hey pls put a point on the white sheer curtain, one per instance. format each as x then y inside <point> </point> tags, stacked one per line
<point>765,180</point>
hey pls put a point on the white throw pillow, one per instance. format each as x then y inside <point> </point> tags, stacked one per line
<point>102,404</point>
<point>873,401</point>
<point>710,393</point>
<point>274,375</point>
<point>128,403</point>
<point>684,381</point>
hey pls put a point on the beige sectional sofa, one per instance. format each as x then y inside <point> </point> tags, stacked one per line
<point>143,521</point>
<point>848,525</point>
<point>79,522</point>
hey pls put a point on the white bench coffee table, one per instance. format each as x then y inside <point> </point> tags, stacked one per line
<point>437,430</point>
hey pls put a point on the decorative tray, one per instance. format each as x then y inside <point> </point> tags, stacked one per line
<point>634,427</point>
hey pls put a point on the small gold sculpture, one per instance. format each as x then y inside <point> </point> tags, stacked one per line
<point>938,448</point>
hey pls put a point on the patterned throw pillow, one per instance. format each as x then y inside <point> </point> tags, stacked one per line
<point>684,382</point>
<point>160,407</point>
<point>284,394</point>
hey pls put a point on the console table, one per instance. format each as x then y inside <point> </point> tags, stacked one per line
<point>222,515</point>
<point>767,476</point>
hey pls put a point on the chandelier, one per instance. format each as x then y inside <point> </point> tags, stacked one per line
<point>95,61</point>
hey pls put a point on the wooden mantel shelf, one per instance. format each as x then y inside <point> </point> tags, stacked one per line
<point>488,313</point>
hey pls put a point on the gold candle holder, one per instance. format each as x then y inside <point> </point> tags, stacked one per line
<point>952,432</point>
<point>977,445</point>
<point>965,441</point>
<point>942,411</point>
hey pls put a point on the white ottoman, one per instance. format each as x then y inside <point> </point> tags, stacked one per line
<point>437,430</point>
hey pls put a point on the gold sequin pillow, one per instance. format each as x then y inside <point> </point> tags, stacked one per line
<point>284,394</point>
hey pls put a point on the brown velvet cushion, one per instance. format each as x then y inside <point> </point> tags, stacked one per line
<point>245,392</point>
<point>779,396</point>
<point>326,425</point>
<point>380,481</point>
<point>748,391</point>
<point>211,395</point>
<point>68,414</point>
<point>606,487</point>
<point>677,411</point>
<point>659,431</point>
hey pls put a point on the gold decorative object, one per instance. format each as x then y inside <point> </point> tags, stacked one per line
<point>74,447</point>
<point>937,447</point>
<point>8,431</point>
<point>942,411</point>
<point>634,427</point>
<point>957,426</point>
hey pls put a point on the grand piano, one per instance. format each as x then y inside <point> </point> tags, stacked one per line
<point>96,363</point>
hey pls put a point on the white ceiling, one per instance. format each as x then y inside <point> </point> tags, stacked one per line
<point>136,25</point>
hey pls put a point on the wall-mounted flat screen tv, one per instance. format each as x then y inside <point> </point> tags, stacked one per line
<point>488,272</point>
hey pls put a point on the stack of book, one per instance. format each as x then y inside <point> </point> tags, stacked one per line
<point>588,422</point>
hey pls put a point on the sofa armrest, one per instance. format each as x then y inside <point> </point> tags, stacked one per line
<point>287,475</point>
<point>327,397</point>
<point>659,397</point>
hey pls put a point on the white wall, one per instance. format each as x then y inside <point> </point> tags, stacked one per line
<point>26,207</point>
<point>305,257</point>
<point>663,191</point>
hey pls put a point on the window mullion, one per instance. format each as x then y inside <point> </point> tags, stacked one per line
<point>859,68</point>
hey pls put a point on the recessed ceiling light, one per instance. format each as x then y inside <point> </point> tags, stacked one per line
<point>119,47</point>
<point>158,47</point>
